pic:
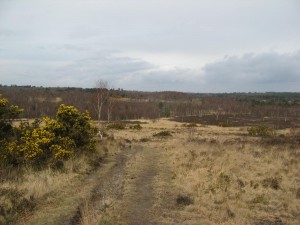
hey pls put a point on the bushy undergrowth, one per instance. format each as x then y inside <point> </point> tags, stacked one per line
<point>136,127</point>
<point>224,124</point>
<point>190,125</point>
<point>47,140</point>
<point>272,182</point>
<point>117,126</point>
<point>12,202</point>
<point>261,131</point>
<point>164,133</point>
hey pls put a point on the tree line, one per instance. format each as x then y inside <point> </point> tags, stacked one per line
<point>105,103</point>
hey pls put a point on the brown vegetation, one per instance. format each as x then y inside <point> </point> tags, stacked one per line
<point>277,110</point>
<point>225,176</point>
<point>224,159</point>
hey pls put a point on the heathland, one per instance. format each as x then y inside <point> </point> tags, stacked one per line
<point>152,158</point>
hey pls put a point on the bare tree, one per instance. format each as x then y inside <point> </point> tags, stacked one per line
<point>102,96</point>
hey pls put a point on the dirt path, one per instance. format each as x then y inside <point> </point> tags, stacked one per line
<point>139,196</point>
<point>142,198</point>
<point>131,188</point>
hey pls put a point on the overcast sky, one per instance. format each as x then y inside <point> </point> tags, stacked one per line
<point>152,45</point>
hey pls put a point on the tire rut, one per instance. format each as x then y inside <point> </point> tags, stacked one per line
<point>109,186</point>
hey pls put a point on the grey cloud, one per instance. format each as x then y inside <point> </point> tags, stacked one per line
<point>250,72</point>
<point>106,67</point>
<point>266,70</point>
<point>120,72</point>
<point>73,47</point>
<point>7,33</point>
<point>156,80</point>
<point>74,43</point>
<point>79,73</point>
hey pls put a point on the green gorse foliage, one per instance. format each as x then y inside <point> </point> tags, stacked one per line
<point>71,132</point>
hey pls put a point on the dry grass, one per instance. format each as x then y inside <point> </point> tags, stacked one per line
<point>88,214</point>
<point>38,183</point>
<point>230,177</point>
<point>237,182</point>
<point>216,175</point>
<point>27,185</point>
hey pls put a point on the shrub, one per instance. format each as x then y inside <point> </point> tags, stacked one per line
<point>76,126</point>
<point>295,136</point>
<point>259,199</point>
<point>7,114</point>
<point>223,181</point>
<point>58,139</point>
<point>298,193</point>
<point>12,203</point>
<point>272,182</point>
<point>224,124</point>
<point>136,127</point>
<point>164,133</point>
<point>262,131</point>
<point>184,200</point>
<point>32,146</point>
<point>117,126</point>
<point>190,125</point>
<point>144,139</point>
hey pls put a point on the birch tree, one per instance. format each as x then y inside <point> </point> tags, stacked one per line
<point>102,96</point>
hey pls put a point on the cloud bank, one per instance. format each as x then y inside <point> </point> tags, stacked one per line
<point>255,72</point>
<point>249,72</point>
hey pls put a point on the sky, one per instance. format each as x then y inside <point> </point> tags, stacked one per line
<point>152,45</point>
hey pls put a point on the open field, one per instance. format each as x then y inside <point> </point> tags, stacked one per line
<point>223,175</point>
<point>183,175</point>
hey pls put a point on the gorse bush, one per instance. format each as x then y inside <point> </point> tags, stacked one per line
<point>262,131</point>
<point>69,133</point>
<point>7,113</point>
<point>70,123</point>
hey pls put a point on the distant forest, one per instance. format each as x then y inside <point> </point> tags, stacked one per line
<point>228,108</point>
